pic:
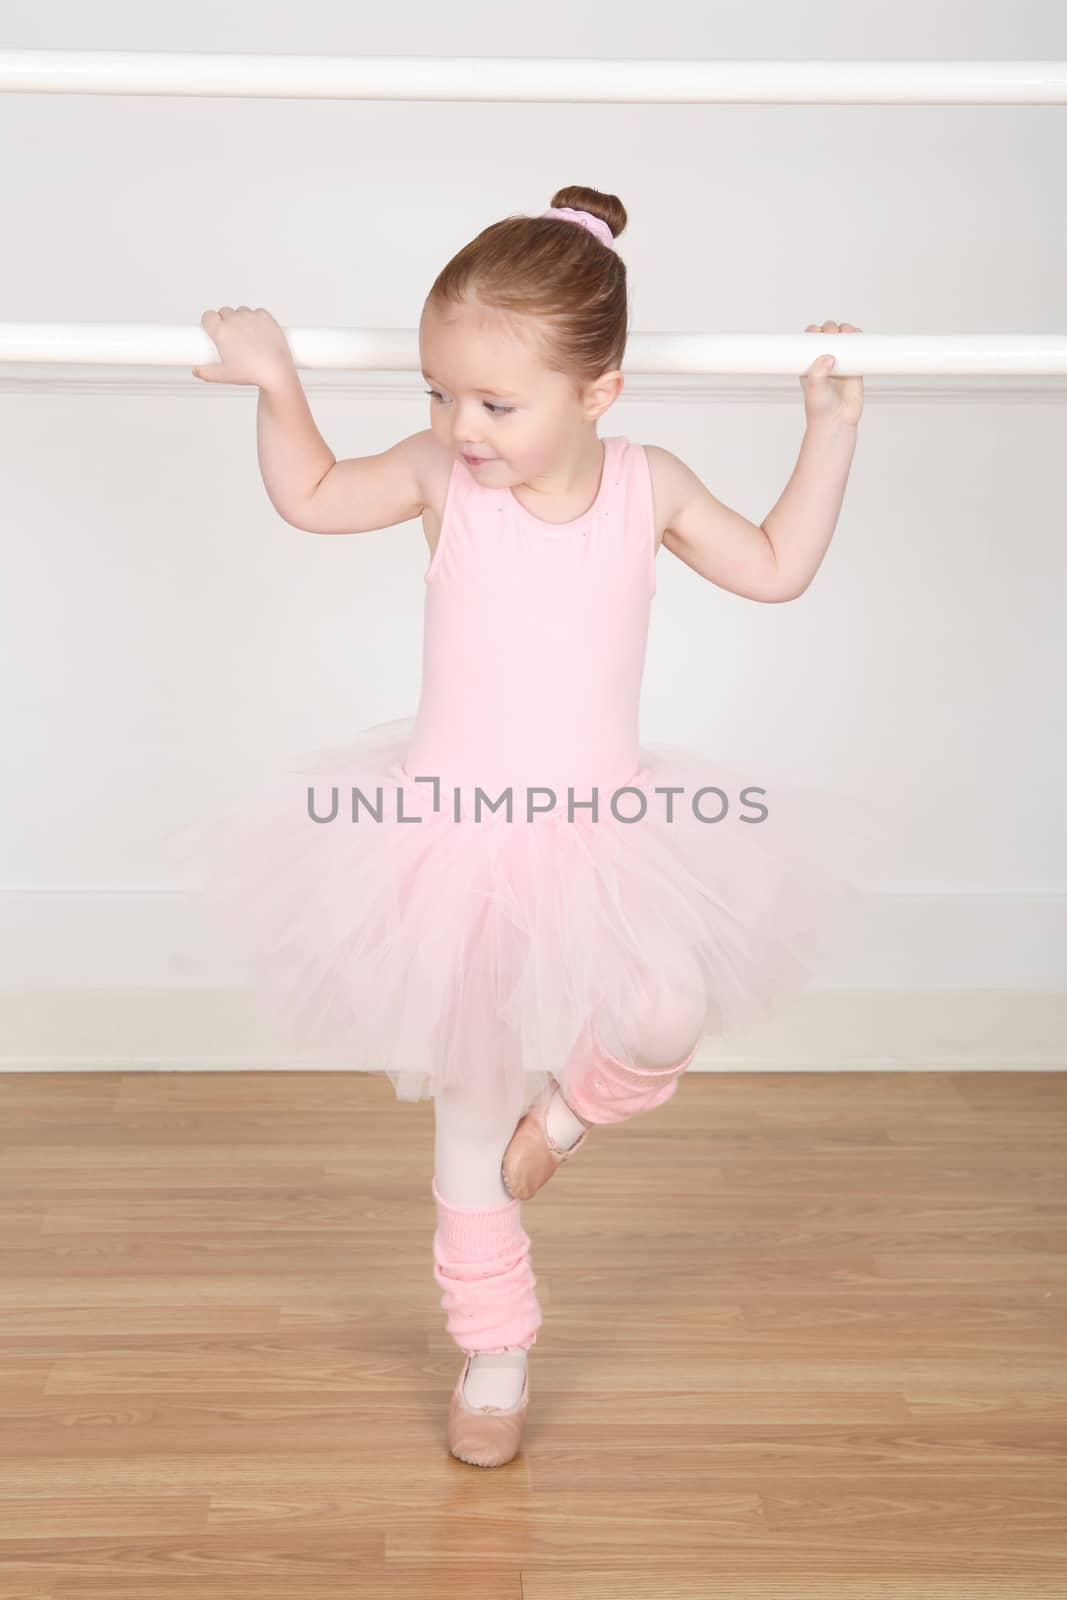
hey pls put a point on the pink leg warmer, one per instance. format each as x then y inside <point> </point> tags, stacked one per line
<point>602,1089</point>
<point>482,1263</point>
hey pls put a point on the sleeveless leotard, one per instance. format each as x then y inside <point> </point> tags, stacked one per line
<point>534,633</point>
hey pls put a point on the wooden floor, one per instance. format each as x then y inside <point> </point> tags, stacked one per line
<point>804,1339</point>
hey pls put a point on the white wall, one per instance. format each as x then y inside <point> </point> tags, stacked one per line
<point>162,627</point>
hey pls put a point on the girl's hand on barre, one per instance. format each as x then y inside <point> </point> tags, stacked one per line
<point>253,347</point>
<point>826,397</point>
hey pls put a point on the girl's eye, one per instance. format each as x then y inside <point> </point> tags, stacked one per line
<point>500,411</point>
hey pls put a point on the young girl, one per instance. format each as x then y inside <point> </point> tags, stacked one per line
<point>506,902</point>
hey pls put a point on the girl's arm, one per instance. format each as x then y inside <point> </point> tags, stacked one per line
<point>802,523</point>
<point>364,493</point>
<point>306,484</point>
<point>774,560</point>
<point>314,491</point>
<point>716,541</point>
<point>777,559</point>
<point>293,456</point>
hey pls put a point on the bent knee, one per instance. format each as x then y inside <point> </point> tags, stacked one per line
<point>667,1028</point>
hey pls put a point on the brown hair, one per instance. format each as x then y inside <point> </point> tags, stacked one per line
<point>554,271</point>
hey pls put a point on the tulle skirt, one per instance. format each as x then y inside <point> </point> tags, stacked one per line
<point>449,949</point>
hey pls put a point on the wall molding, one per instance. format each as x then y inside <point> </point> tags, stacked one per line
<point>29,378</point>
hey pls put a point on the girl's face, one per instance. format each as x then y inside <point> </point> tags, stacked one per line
<point>492,396</point>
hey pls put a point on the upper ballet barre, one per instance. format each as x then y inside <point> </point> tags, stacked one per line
<point>489,78</point>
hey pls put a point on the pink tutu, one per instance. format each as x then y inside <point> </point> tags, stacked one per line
<point>445,948</point>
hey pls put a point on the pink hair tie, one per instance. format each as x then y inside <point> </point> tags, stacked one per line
<point>584,219</point>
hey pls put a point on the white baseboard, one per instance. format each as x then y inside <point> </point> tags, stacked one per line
<point>114,1029</point>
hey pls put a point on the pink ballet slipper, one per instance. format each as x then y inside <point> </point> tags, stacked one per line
<point>486,1436</point>
<point>533,1155</point>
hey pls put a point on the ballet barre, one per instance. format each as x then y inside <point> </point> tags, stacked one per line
<point>396,350</point>
<point>509,78</point>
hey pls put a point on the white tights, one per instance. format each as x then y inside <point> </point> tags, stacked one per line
<point>471,1136</point>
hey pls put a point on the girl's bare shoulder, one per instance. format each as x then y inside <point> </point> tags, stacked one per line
<point>435,466</point>
<point>663,470</point>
